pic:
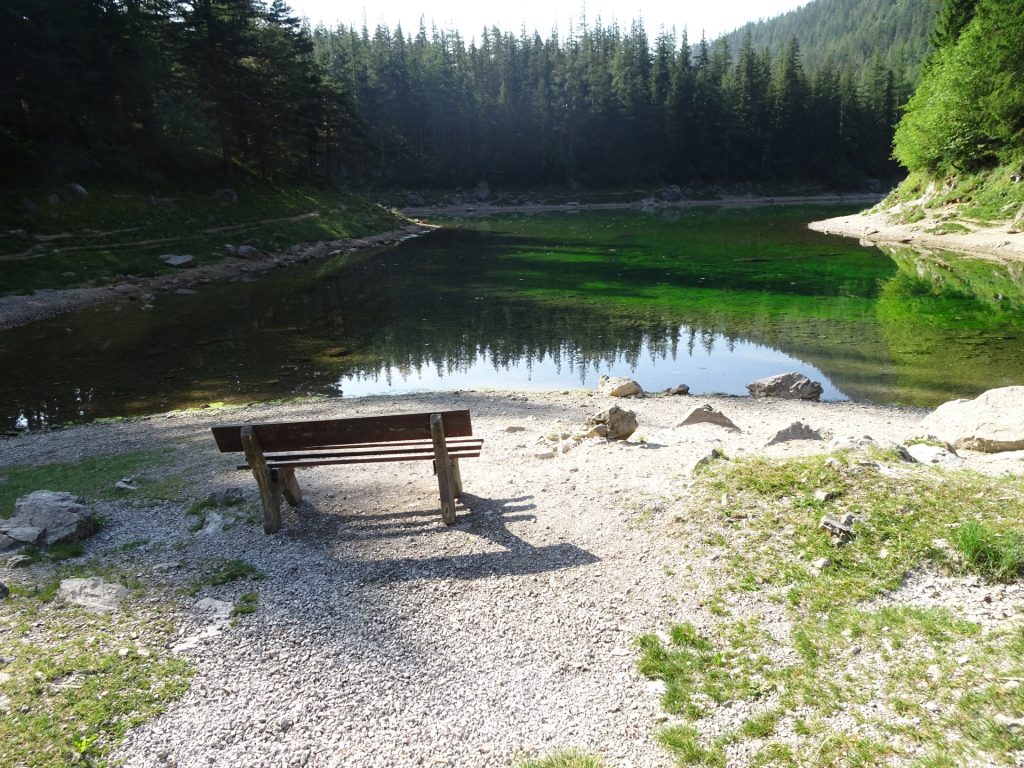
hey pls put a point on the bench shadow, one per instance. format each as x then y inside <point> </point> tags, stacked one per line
<point>485,518</point>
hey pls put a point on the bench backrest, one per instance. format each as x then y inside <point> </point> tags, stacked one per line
<point>297,435</point>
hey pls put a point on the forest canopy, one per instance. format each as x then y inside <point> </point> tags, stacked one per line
<point>143,89</point>
<point>968,112</point>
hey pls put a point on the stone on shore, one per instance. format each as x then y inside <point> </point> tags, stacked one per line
<point>706,414</point>
<point>795,431</point>
<point>613,423</point>
<point>991,423</point>
<point>792,385</point>
<point>619,386</point>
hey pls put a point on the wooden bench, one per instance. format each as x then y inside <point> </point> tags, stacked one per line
<point>274,451</point>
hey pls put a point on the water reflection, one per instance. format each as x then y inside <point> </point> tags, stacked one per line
<point>712,300</point>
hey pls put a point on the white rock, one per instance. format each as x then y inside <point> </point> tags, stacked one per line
<point>619,386</point>
<point>932,454</point>
<point>92,593</point>
<point>215,609</point>
<point>992,422</point>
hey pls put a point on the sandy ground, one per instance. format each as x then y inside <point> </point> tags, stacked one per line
<point>1003,242</point>
<point>384,638</point>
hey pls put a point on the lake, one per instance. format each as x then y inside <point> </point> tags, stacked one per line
<point>710,297</point>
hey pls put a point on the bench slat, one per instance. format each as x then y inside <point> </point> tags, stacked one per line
<point>466,453</point>
<point>298,435</point>
<point>372,449</point>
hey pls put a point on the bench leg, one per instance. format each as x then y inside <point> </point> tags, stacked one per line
<point>270,489</point>
<point>456,479</point>
<point>443,465</point>
<point>289,486</point>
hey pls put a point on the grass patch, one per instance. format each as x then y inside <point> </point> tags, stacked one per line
<point>119,231</point>
<point>78,681</point>
<point>570,758</point>
<point>996,554</point>
<point>916,685</point>
<point>92,477</point>
<point>247,603</point>
<point>227,571</point>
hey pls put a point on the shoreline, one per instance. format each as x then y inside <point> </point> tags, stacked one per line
<point>21,309</point>
<point>992,242</point>
<point>734,201</point>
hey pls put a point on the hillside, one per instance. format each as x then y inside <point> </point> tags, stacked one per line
<point>850,32</point>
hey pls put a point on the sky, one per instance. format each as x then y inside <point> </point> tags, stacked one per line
<point>710,17</point>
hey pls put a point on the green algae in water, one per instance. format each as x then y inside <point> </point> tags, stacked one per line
<point>709,297</point>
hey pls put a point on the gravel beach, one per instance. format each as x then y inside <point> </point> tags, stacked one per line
<point>384,638</point>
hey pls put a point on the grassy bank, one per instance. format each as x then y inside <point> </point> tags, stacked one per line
<point>962,203</point>
<point>94,238</point>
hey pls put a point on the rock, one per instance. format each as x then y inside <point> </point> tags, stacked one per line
<point>512,429</point>
<point>215,609</point>
<point>925,453</point>
<point>93,594</point>
<point>795,431</point>
<point>126,484</point>
<point>61,517</point>
<point>1012,723</point>
<point>167,567</point>
<point>820,564</point>
<point>178,260</point>
<point>19,561</point>
<point>228,497</point>
<point>248,252</point>
<point>620,423</point>
<point>226,196</point>
<point>548,454</point>
<point>619,386</point>
<point>53,199</point>
<point>822,495</point>
<point>991,423</point>
<point>24,535</point>
<point>840,529</point>
<point>670,194</point>
<point>792,385</point>
<point>5,591</point>
<point>678,389</point>
<point>850,443</point>
<point>706,414</point>
<point>214,524</point>
<point>715,454</point>
<point>78,189</point>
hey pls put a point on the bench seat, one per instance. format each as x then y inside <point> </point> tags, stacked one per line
<point>274,451</point>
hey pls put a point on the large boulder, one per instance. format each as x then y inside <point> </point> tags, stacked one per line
<point>614,423</point>
<point>792,385</point>
<point>991,422</point>
<point>619,386</point>
<point>46,518</point>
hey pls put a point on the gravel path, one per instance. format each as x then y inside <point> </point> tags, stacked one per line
<point>383,638</point>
